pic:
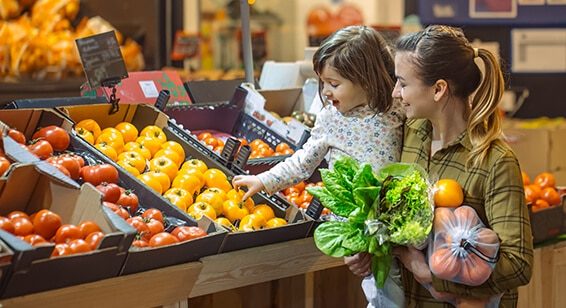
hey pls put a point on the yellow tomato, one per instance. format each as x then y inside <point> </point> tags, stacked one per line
<point>217,191</point>
<point>214,177</point>
<point>134,146</point>
<point>107,150</point>
<point>151,181</point>
<point>175,146</point>
<point>265,210</point>
<point>129,167</point>
<point>223,221</point>
<point>152,144</point>
<point>188,182</point>
<point>162,177</point>
<point>233,210</point>
<point>128,130</point>
<point>174,156</point>
<point>237,195</point>
<point>195,173</point>
<point>114,140</point>
<point>90,125</point>
<point>154,131</point>
<point>179,197</point>
<point>252,222</point>
<point>215,200</point>
<point>275,222</point>
<point>164,164</point>
<point>85,134</point>
<point>111,131</point>
<point>198,209</point>
<point>195,164</point>
<point>135,159</point>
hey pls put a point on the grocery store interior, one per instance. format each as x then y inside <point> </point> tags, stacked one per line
<point>124,123</point>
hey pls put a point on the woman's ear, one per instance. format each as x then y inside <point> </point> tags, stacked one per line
<point>440,89</point>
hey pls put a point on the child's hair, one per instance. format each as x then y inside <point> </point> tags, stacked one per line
<point>443,52</point>
<point>361,55</point>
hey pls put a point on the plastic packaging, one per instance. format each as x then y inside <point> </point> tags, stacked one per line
<point>463,250</point>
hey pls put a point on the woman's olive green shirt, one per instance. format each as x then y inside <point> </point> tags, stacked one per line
<point>495,191</point>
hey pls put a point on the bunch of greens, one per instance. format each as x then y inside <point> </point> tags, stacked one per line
<point>376,211</point>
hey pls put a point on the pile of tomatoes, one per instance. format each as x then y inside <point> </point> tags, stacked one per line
<point>541,193</point>
<point>298,195</point>
<point>259,147</point>
<point>46,227</point>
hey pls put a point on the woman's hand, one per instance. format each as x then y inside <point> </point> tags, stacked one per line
<point>252,182</point>
<point>414,261</point>
<point>359,264</point>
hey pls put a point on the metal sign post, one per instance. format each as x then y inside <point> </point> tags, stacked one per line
<point>247,41</point>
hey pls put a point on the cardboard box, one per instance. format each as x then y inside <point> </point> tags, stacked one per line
<point>282,101</point>
<point>32,187</point>
<point>150,258</point>
<point>540,149</point>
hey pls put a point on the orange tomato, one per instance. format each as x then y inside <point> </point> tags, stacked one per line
<point>532,193</point>
<point>204,135</point>
<point>174,156</point>
<point>162,177</point>
<point>550,195</point>
<point>4,164</point>
<point>238,195</point>
<point>154,131</point>
<point>281,147</point>
<point>134,158</point>
<point>214,199</point>
<point>211,141</point>
<point>114,140</point>
<point>448,192</point>
<point>214,177</point>
<point>150,143</point>
<point>223,221</point>
<point>256,143</point>
<point>188,182</point>
<point>128,130</point>
<point>91,126</point>
<point>85,134</point>
<point>545,180</point>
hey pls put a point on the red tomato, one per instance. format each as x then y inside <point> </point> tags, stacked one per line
<point>162,239</point>
<point>76,157</point>
<point>122,212</point>
<point>87,227</point>
<point>153,213</point>
<point>129,199</point>
<point>94,239</point>
<point>46,223</point>
<point>155,226</point>
<point>141,227</point>
<point>67,233</point>
<point>474,271</point>
<point>17,136</point>
<point>56,136</point>
<point>16,214</point>
<point>4,165</point>
<point>62,169</point>
<point>6,224</point>
<point>22,226</point>
<point>70,163</point>
<point>110,192</point>
<point>35,240</point>
<point>444,264</point>
<point>79,246</point>
<point>100,173</point>
<point>41,149</point>
<point>185,233</point>
<point>140,243</point>
<point>61,250</point>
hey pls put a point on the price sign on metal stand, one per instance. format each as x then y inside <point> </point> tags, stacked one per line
<point>103,62</point>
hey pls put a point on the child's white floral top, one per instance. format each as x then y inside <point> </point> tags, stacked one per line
<point>360,133</point>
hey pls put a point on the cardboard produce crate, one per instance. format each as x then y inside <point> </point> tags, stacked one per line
<point>547,223</point>
<point>32,187</point>
<point>142,115</point>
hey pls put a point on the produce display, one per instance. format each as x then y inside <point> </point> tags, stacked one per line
<point>37,40</point>
<point>394,206</point>
<point>541,193</point>
<point>188,184</point>
<point>260,148</point>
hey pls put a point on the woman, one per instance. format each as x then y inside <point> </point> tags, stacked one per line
<point>454,131</point>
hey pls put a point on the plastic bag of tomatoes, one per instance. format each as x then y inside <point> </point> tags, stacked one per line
<point>463,250</point>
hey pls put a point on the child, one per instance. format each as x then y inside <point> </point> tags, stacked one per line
<point>359,119</point>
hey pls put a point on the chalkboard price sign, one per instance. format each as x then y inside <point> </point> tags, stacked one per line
<point>102,59</point>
